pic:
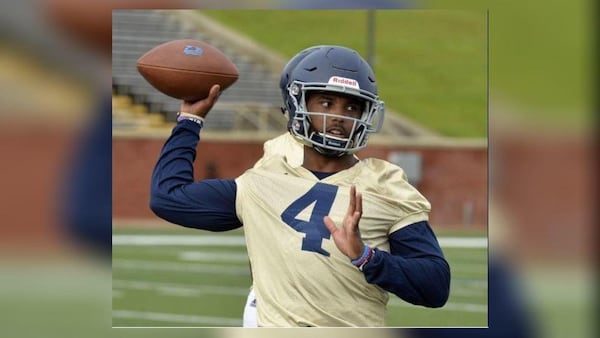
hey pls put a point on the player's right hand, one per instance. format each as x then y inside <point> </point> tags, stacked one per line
<point>347,237</point>
<point>202,107</point>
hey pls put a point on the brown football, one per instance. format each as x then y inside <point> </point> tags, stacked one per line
<point>187,69</point>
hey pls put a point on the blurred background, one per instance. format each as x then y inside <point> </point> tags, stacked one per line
<point>500,94</point>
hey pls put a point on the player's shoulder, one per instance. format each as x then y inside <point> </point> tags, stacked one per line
<point>284,145</point>
<point>382,178</point>
<point>272,161</point>
<point>283,139</point>
<point>271,166</point>
<point>383,169</point>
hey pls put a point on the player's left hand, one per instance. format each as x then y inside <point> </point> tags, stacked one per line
<point>347,238</point>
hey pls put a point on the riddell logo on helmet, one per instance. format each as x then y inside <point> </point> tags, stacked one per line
<point>343,81</point>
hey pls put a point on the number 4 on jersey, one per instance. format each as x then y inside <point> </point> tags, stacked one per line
<point>322,195</point>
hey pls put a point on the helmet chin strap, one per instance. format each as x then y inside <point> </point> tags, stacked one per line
<point>329,152</point>
<point>321,138</point>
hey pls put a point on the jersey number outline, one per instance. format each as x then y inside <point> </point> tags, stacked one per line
<point>315,230</point>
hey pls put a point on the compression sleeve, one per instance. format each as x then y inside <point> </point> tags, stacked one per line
<point>175,197</point>
<point>415,270</point>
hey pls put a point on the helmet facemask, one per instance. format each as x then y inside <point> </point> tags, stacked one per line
<point>330,145</point>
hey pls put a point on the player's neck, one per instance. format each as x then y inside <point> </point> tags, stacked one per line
<point>314,161</point>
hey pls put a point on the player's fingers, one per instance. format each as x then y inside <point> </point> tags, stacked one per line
<point>330,224</point>
<point>358,207</point>
<point>355,213</point>
<point>213,95</point>
<point>214,91</point>
<point>202,107</point>
<point>352,204</point>
<point>352,224</point>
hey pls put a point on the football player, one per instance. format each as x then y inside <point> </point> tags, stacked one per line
<point>282,145</point>
<point>312,263</point>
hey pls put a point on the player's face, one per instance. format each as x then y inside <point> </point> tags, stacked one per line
<point>335,104</point>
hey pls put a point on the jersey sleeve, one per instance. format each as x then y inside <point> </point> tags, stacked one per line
<point>415,269</point>
<point>398,199</point>
<point>413,207</point>
<point>175,197</point>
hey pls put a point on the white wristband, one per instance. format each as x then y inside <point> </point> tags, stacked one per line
<point>187,116</point>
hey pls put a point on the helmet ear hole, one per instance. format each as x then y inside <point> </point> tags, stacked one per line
<point>286,77</point>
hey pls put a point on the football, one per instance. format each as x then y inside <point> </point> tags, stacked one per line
<point>187,69</point>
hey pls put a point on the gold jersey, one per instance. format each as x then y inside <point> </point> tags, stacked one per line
<point>299,276</point>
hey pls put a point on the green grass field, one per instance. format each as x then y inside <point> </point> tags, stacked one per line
<point>430,65</point>
<point>204,283</point>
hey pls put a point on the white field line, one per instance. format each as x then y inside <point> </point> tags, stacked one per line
<point>184,290</point>
<point>471,283</point>
<point>180,240</point>
<point>458,283</point>
<point>470,268</point>
<point>213,240</point>
<point>179,289</point>
<point>461,307</point>
<point>466,307</point>
<point>178,318</point>
<point>191,291</point>
<point>463,242</point>
<point>467,292</point>
<point>203,256</point>
<point>180,267</point>
<point>463,287</point>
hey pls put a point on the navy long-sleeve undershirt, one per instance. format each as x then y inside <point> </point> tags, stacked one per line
<point>415,270</point>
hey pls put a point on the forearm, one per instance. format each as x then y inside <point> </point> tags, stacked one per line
<point>175,163</point>
<point>415,269</point>
<point>175,197</point>
<point>420,281</point>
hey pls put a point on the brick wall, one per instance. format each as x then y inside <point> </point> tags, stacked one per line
<point>454,179</point>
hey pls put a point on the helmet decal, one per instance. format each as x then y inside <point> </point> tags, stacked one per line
<point>344,81</point>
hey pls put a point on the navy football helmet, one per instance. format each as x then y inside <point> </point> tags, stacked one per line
<point>338,70</point>
<point>285,78</point>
